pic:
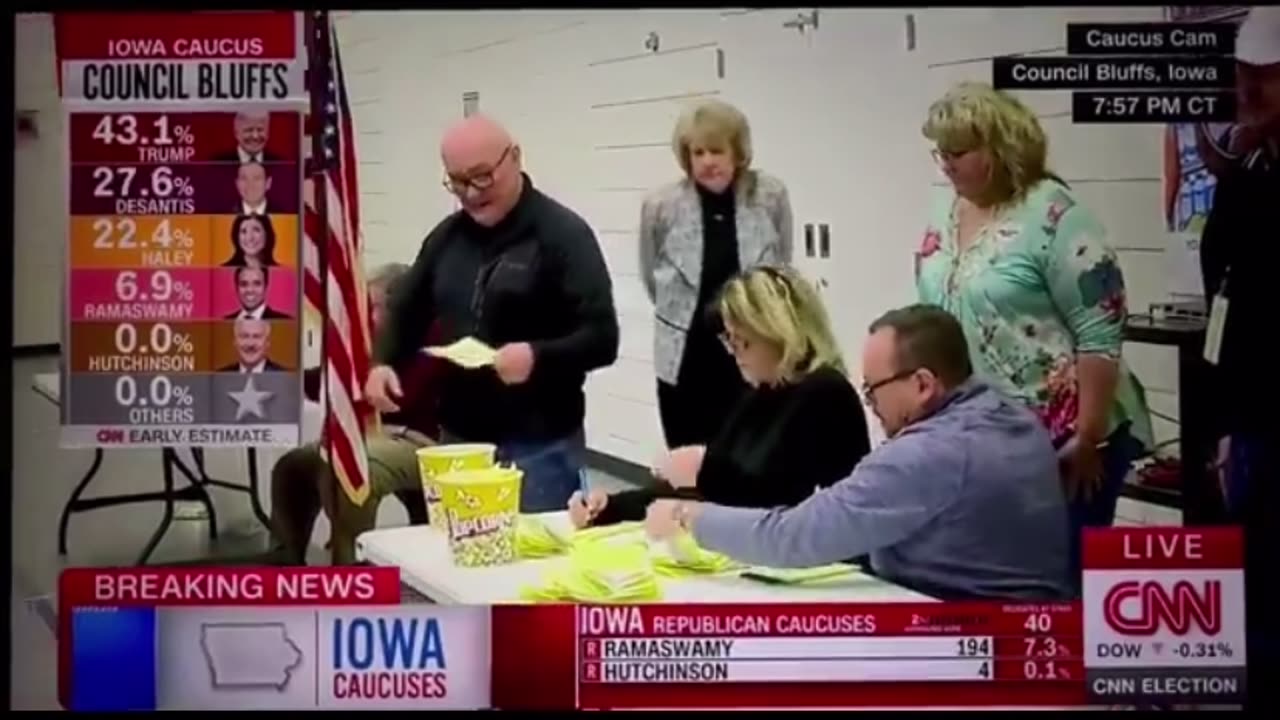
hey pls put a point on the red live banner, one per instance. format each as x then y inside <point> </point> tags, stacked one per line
<point>1164,615</point>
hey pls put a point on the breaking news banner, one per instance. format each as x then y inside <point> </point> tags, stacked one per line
<point>183,302</point>
<point>1161,623</point>
<point>264,638</point>
<point>1164,615</point>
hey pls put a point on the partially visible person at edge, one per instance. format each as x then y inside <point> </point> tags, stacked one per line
<point>695,234</point>
<point>524,274</point>
<point>302,483</point>
<point>1028,271</point>
<point>962,502</point>
<point>801,426</point>
<point>1239,255</point>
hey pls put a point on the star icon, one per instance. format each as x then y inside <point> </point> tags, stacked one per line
<point>249,400</point>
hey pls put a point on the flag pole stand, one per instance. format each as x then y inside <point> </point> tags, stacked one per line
<point>318,65</point>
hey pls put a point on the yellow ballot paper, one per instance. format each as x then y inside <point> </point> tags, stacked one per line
<point>801,576</point>
<point>681,555</point>
<point>535,540</point>
<point>468,352</point>
<point>600,572</point>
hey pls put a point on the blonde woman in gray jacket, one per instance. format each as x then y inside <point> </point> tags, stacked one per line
<point>695,234</point>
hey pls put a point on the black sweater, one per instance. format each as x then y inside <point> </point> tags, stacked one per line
<point>537,277</point>
<point>1240,246</point>
<point>779,445</point>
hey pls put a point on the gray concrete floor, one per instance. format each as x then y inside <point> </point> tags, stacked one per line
<point>44,476</point>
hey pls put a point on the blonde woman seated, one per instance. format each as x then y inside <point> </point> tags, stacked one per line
<point>800,425</point>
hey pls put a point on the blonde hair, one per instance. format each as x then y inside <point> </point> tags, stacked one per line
<point>778,306</point>
<point>713,124</point>
<point>974,116</point>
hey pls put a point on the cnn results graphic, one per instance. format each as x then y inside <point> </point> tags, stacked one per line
<point>1164,615</point>
<point>183,301</point>
<point>1135,73</point>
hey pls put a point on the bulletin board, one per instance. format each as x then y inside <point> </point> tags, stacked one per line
<point>1188,179</point>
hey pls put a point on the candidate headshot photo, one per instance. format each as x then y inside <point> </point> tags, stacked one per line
<point>251,285</point>
<point>253,242</point>
<point>252,340</point>
<point>253,184</point>
<point>250,129</point>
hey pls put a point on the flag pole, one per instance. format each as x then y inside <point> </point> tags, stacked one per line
<point>318,65</point>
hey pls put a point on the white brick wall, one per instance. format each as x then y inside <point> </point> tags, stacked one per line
<point>40,192</point>
<point>594,111</point>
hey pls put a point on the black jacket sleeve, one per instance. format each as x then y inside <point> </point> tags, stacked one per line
<point>837,435</point>
<point>588,291</point>
<point>410,309</point>
<point>631,505</point>
<point>1216,249</point>
<point>718,481</point>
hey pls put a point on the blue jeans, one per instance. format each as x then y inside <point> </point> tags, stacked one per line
<point>1099,509</point>
<point>1246,464</point>
<point>552,470</point>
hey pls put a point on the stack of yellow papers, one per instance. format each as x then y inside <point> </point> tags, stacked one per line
<point>600,573</point>
<point>681,555</point>
<point>468,352</point>
<point>800,576</point>
<point>626,533</point>
<point>535,540</point>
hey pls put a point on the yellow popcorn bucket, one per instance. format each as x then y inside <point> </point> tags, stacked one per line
<point>440,459</point>
<point>482,508</point>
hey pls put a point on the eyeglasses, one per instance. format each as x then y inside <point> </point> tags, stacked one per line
<point>481,181</point>
<point>734,344</point>
<point>869,389</point>
<point>942,157</point>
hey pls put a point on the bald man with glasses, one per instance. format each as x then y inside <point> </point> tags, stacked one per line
<point>523,274</point>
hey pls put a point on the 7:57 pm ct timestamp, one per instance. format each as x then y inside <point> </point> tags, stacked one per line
<point>1157,107</point>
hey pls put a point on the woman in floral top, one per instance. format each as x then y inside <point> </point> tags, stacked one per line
<point>1028,271</point>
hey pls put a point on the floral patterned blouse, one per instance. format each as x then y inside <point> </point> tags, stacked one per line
<point>1036,286</point>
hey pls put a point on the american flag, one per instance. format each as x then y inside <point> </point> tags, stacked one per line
<point>334,281</point>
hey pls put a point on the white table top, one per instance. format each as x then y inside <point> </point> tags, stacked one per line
<point>426,565</point>
<point>49,386</point>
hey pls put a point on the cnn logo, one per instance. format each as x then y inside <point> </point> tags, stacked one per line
<point>1142,608</point>
<point>108,436</point>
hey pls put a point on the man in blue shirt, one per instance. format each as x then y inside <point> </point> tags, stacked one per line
<point>962,502</point>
